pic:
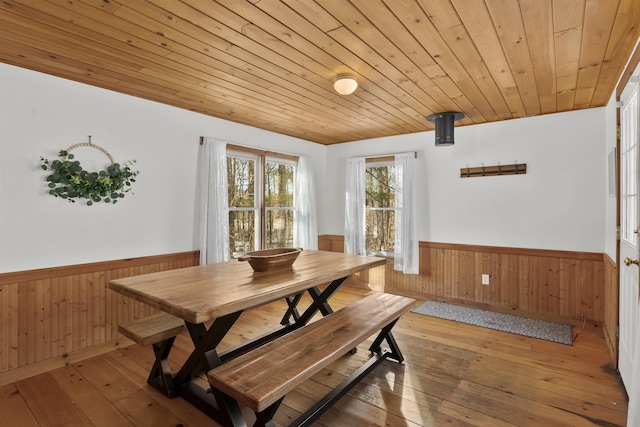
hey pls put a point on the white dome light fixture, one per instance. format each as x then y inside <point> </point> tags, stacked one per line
<point>345,84</point>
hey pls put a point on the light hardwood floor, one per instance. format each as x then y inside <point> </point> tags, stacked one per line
<point>454,374</point>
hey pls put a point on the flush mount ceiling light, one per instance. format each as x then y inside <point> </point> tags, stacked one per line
<point>444,126</point>
<point>345,84</point>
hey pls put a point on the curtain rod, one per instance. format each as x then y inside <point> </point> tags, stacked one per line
<point>236,147</point>
<point>415,155</point>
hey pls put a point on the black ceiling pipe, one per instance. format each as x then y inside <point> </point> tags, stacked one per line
<point>444,126</point>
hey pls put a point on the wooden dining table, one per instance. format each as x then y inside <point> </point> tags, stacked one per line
<point>210,298</point>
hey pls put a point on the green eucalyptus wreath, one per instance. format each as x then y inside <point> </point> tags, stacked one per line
<point>69,181</point>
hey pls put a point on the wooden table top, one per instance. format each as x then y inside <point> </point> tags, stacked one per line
<point>202,293</point>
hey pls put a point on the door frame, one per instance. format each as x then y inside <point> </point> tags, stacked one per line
<point>613,280</point>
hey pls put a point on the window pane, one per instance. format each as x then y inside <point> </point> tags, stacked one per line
<point>279,227</point>
<point>380,186</point>
<point>278,185</point>
<point>241,177</point>
<point>380,203</point>
<point>241,232</point>
<point>629,171</point>
<point>380,230</point>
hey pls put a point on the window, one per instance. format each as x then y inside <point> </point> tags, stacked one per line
<point>260,202</point>
<point>629,156</point>
<point>380,213</point>
<point>380,207</point>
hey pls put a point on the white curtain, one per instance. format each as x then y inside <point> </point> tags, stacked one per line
<point>305,220</point>
<point>213,212</point>
<point>406,242</point>
<point>354,227</point>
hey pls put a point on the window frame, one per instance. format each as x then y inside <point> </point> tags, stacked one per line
<point>265,208</point>
<point>388,161</point>
<point>257,197</point>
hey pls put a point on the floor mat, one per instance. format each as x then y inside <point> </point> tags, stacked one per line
<point>534,328</point>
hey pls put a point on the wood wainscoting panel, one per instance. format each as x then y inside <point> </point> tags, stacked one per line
<point>560,284</point>
<point>612,307</point>
<point>549,284</point>
<point>54,313</point>
<point>331,243</point>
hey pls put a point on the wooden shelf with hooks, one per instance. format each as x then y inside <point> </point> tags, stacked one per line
<point>512,169</point>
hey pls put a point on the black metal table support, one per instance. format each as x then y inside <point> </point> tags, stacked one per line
<point>222,409</point>
<point>204,341</point>
<point>292,311</point>
<point>205,357</point>
<point>320,303</point>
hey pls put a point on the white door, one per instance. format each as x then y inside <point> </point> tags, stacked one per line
<point>629,306</point>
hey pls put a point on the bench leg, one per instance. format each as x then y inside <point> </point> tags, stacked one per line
<point>160,376</point>
<point>313,413</point>
<point>386,335</point>
<point>265,418</point>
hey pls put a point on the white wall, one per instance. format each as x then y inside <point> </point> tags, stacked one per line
<point>558,204</point>
<point>40,114</point>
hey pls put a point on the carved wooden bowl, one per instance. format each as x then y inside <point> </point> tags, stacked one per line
<point>271,259</point>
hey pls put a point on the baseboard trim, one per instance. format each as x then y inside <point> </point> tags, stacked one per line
<point>38,368</point>
<point>591,324</point>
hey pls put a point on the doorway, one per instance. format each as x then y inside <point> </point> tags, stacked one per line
<point>628,273</point>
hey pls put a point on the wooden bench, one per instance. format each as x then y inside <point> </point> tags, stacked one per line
<point>261,378</point>
<point>159,330</point>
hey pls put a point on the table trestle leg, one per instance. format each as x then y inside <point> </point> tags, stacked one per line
<point>217,405</point>
<point>204,341</point>
<point>320,301</point>
<point>292,311</point>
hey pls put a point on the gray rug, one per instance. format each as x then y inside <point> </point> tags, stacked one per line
<point>534,328</point>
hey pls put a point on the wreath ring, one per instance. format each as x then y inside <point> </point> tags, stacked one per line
<point>68,180</point>
<point>90,144</point>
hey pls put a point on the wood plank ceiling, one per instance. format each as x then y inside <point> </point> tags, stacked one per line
<point>271,63</point>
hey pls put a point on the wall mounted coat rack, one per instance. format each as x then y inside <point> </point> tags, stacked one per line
<point>513,169</point>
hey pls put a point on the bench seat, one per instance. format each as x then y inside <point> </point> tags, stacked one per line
<point>261,378</point>
<point>152,329</point>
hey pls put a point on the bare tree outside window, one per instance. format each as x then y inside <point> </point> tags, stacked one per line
<point>242,205</point>
<point>380,208</point>
<point>278,200</point>
<point>246,204</point>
